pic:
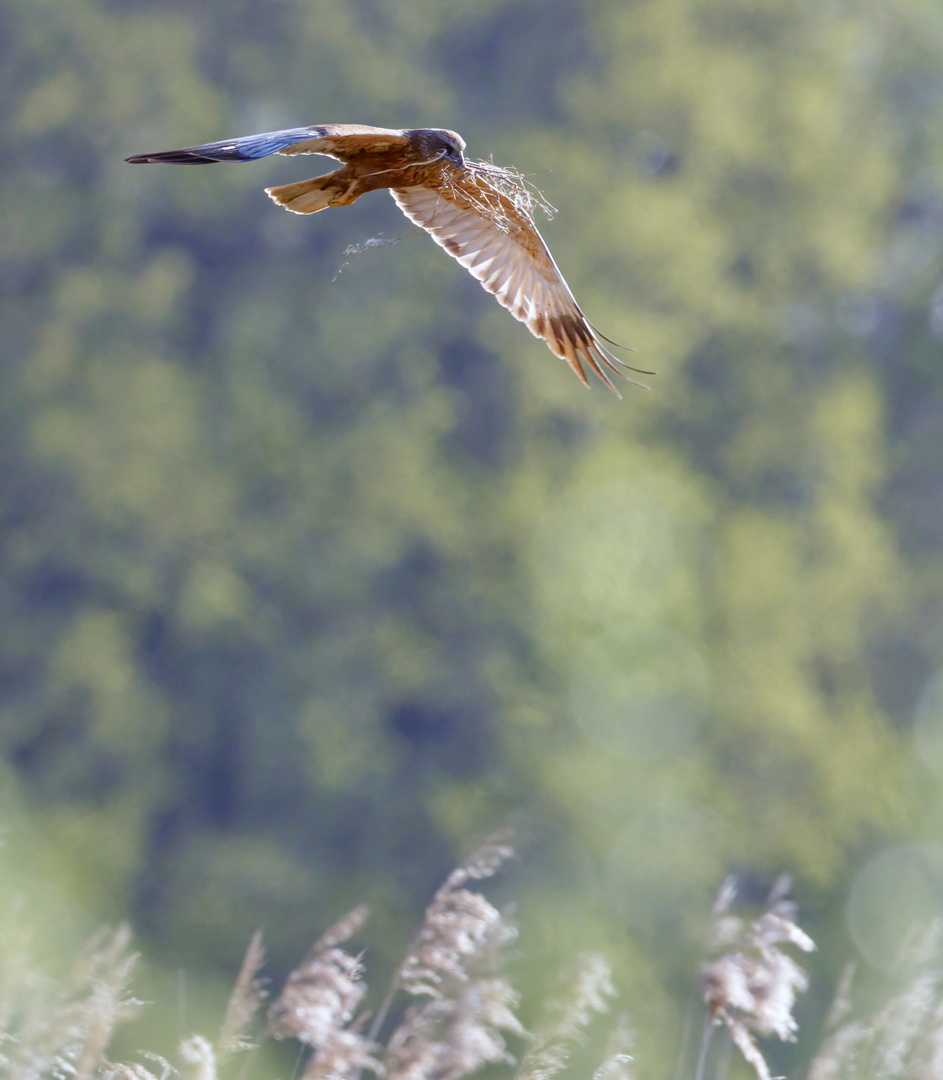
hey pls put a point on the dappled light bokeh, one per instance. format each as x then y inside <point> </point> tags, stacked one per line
<point>316,567</point>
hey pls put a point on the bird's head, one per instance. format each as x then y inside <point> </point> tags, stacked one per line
<point>439,142</point>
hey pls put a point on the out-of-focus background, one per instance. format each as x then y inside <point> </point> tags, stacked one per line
<point>316,568</point>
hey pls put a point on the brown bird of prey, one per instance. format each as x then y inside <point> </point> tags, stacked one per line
<point>479,213</point>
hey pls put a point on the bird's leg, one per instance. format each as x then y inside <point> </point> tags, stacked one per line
<point>344,198</point>
<point>310,196</point>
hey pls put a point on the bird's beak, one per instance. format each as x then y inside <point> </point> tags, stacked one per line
<point>457,159</point>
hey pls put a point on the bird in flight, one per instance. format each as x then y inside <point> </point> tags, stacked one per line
<point>479,213</point>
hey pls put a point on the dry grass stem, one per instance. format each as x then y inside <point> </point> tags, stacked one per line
<point>497,189</point>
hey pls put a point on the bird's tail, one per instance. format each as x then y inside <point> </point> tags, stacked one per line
<point>305,196</point>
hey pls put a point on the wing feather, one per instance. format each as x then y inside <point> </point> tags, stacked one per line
<point>340,141</point>
<point>510,259</point>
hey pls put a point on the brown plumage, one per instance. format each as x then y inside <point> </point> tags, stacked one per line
<point>480,214</point>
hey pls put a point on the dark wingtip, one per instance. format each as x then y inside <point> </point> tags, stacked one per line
<point>172,157</point>
<point>622,363</point>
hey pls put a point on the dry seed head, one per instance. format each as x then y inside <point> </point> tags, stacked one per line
<point>839,1053</point>
<point>244,1003</point>
<point>198,1057</point>
<point>618,1062</point>
<point>568,1017</point>
<point>484,862</point>
<point>127,1070</point>
<point>927,1063</point>
<point>773,928</point>
<point>448,1038</point>
<point>593,988</point>
<point>96,1002</point>
<point>752,986</point>
<point>413,1050</point>
<point>901,1022</point>
<point>905,1039</point>
<point>344,1054</point>
<point>344,928</point>
<point>726,895</point>
<point>743,1041</point>
<point>320,997</point>
<point>462,933</point>
<point>323,992</point>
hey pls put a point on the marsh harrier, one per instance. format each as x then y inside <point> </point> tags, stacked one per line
<point>480,214</point>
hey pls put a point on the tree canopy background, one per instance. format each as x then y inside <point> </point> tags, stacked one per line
<point>309,580</point>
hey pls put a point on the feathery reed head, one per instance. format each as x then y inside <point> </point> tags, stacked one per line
<point>618,1062</point>
<point>462,932</point>
<point>751,987</point>
<point>567,1017</point>
<point>245,1001</point>
<point>453,962</point>
<point>319,1002</point>
<point>462,1011</point>
<point>904,1040</point>
<point>451,1037</point>
<point>65,1030</point>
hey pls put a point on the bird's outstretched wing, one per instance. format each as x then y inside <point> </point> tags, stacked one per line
<point>500,246</point>
<point>340,141</point>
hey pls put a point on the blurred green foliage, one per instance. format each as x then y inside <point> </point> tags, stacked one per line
<point>308,580</point>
